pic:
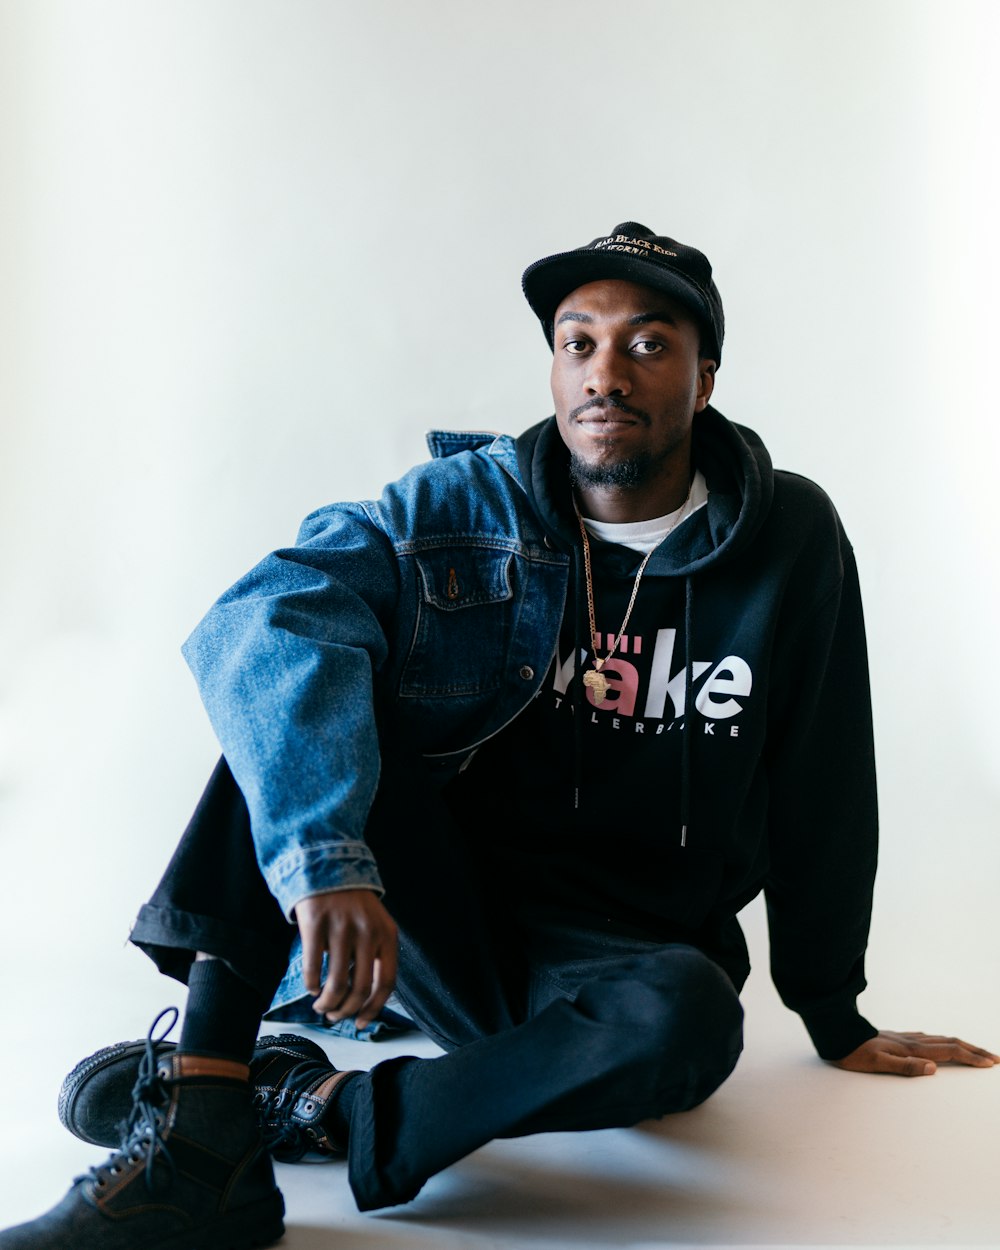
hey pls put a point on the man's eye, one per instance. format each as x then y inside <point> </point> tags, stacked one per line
<point>647,347</point>
<point>575,347</point>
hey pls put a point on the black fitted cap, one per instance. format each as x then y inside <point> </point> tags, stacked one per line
<point>634,253</point>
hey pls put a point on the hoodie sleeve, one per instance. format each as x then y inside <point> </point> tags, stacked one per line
<point>823,824</point>
<point>284,662</point>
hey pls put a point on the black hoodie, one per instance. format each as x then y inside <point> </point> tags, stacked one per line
<point>630,815</point>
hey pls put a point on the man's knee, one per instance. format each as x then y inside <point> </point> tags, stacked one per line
<point>675,1022</point>
<point>704,1013</point>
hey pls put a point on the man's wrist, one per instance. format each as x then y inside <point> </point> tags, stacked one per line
<point>322,869</point>
<point>336,889</point>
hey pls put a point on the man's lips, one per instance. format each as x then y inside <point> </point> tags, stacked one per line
<point>606,418</point>
<point>605,423</point>
<point>601,413</point>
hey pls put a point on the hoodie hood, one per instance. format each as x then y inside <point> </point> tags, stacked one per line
<point>737,469</point>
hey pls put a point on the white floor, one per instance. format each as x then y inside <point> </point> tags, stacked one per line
<point>791,1152</point>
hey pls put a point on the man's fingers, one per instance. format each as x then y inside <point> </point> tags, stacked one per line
<point>312,957</point>
<point>903,1065</point>
<point>384,980</point>
<point>965,1052</point>
<point>946,1049</point>
<point>340,957</point>
<point>388,962</point>
<point>955,1051</point>
<point>358,986</point>
<point>382,986</point>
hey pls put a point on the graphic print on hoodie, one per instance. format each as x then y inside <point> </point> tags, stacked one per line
<point>593,778</point>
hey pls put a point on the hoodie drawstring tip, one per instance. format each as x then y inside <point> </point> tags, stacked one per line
<point>684,835</point>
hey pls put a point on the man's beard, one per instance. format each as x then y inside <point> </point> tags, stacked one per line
<point>628,474</point>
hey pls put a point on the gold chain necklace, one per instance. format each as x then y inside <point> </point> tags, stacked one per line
<point>594,678</point>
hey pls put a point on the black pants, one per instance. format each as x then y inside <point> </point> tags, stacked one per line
<point>543,1031</point>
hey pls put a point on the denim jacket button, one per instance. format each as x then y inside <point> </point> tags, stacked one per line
<point>548,542</point>
<point>526,671</point>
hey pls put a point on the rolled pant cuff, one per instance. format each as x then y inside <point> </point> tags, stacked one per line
<point>171,938</point>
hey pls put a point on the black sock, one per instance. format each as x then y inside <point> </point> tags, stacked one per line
<point>337,1117</point>
<point>223,1012</point>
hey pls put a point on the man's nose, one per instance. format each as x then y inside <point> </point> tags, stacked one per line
<point>608,374</point>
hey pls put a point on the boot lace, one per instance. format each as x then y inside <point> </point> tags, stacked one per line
<point>142,1132</point>
<point>285,1139</point>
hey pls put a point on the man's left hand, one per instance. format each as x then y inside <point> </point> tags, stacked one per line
<point>913,1054</point>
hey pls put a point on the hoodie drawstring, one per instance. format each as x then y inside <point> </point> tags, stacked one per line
<point>576,680</point>
<point>688,734</point>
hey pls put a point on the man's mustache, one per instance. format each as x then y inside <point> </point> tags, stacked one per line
<point>610,401</point>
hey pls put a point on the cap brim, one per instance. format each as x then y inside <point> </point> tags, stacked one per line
<point>547,282</point>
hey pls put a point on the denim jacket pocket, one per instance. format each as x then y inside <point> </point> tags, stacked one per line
<point>464,610</point>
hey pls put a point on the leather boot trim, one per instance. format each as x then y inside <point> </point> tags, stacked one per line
<point>326,1088</point>
<point>178,1066</point>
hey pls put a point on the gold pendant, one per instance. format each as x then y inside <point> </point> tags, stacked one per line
<point>596,683</point>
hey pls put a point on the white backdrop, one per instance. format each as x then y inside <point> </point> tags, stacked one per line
<point>252,249</point>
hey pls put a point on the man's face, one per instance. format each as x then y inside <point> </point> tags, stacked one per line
<point>627,379</point>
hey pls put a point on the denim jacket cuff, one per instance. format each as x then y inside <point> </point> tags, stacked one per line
<point>320,868</point>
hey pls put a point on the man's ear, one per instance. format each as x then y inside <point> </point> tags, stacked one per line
<point>706,383</point>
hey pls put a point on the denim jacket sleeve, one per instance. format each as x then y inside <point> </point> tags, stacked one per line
<point>285,662</point>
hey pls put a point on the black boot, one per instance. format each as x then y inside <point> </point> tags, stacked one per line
<point>192,1172</point>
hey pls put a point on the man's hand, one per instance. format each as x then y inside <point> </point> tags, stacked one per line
<point>358,935</point>
<point>913,1054</point>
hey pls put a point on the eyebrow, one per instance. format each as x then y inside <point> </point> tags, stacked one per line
<point>640,319</point>
<point>661,314</point>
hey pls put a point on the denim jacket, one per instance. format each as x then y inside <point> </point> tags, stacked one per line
<point>427,618</point>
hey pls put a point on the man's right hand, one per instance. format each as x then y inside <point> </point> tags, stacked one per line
<point>357,934</point>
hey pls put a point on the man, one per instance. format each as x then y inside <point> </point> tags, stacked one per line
<point>545,717</point>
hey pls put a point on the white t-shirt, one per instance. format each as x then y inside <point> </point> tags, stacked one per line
<point>643,536</point>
